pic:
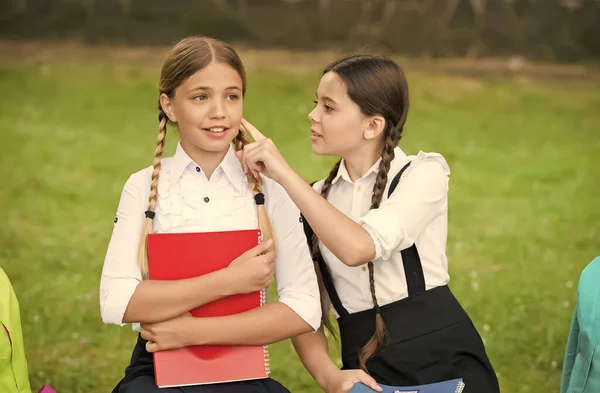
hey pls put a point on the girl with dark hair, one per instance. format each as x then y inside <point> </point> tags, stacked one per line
<point>377,226</point>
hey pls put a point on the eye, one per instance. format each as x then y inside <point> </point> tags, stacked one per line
<point>201,97</point>
<point>327,107</point>
<point>233,97</point>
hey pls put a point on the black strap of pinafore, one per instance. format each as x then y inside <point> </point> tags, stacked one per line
<point>413,270</point>
<point>325,273</point>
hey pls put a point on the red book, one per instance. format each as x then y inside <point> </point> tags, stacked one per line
<point>175,256</point>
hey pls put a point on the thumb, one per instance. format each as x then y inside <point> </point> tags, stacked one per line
<point>369,381</point>
<point>261,248</point>
<point>151,346</point>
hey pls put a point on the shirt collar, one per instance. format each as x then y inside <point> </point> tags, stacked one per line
<point>230,166</point>
<point>399,155</point>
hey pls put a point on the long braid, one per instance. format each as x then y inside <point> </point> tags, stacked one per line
<point>316,255</point>
<point>256,184</point>
<point>160,144</point>
<point>378,338</point>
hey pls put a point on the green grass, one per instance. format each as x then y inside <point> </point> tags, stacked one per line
<point>524,217</point>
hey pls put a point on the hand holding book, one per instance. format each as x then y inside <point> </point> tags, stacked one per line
<point>341,381</point>
<point>172,334</point>
<point>253,270</point>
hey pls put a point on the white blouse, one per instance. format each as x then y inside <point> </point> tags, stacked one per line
<point>189,202</point>
<point>417,212</point>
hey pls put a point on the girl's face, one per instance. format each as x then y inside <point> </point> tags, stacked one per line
<point>337,123</point>
<point>207,108</point>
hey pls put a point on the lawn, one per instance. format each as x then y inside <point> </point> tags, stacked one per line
<point>524,203</point>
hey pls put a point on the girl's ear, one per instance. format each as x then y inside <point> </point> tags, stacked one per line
<point>167,106</point>
<point>374,128</point>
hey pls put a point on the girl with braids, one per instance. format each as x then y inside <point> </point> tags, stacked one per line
<point>380,222</point>
<point>203,188</point>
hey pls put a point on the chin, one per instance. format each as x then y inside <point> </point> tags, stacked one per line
<point>319,150</point>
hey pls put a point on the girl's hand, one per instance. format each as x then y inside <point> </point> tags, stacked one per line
<point>262,156</point>
<point>171,334</point>
<point>341,381</point>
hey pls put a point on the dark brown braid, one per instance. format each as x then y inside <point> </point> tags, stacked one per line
<point>387,155</point>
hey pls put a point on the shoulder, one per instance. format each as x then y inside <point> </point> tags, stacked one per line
<point>274,192</point>
<point>141,179</point>
<point>318,185</point>
<point>588,298</point>
<point>427,162</point>
<point>278,204</point>
<point>589,277</point>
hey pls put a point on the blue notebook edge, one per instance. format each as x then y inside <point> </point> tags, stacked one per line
<point>449,386</point>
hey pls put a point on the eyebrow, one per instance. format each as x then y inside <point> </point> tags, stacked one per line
<point>326,98</point>
<point>210,89</point>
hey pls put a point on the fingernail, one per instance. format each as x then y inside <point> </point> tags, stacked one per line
<point>269,242</point>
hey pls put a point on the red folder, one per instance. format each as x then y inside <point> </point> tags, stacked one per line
<point>175,256</point>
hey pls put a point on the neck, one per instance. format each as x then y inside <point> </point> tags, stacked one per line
<point>208,161</point>
<point>359,162</point>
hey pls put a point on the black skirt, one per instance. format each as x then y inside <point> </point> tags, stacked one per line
<point>139,378</point>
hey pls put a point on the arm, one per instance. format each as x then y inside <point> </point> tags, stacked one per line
<point>570,353</point>
<point>264,325</point>
<point>314,354</point>
<point>155,301</point>
<point>397,222</point>
<point>346,239</point>
<point>124,297</point>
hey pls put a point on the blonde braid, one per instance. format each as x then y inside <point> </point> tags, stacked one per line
<point>256,184</point>
<point>316,255</point>
<point>160,144</point>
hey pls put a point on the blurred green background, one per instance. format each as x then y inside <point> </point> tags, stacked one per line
<point>521,138</point>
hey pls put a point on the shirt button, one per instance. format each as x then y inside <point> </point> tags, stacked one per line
<point>206,199</point>
<point>364,268</point>
<point>358,188</point>
<point>197,169</point>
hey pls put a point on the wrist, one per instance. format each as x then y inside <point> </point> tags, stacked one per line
<point>325,375</point>
<point>288,178</point>
<point>193,332</point>
<point>226,282</point>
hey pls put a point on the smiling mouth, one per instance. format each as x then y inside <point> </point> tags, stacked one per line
<point>315,133</point>
<point>216,130</point>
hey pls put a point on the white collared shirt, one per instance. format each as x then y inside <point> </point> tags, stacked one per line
<point>189,202</point>
<point>417,212</point>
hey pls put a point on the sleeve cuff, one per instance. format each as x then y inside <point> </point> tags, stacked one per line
<point>115,303</point>
<point>307,308</point>
<point>378,246</point>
